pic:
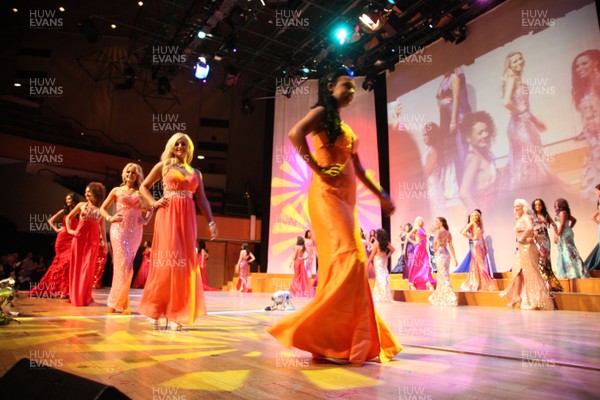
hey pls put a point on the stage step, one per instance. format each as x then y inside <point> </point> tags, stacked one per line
<point>563,301</point>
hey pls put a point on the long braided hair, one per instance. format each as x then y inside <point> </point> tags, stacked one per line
<point>333,122</point>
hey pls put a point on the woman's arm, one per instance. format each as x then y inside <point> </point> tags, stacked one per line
<point>528,225</point>
<point>311,122</point>
<point>572,221</point>
<point>551,222</point>
<point>509,87</point>
<point>468,183</point>
<point>451,248</point>
<point>455,87</point>
<point>76,210</point>
<point>596,217</point>
<point>154,176</point>
<point>251,257</point>
<point>467,231</point>
<point>53,219</point>
<point>391,250</point>
<point>204,205</point>
<point>111,198</point>
<point>386,203</point>
<point>562,219</point>
<point>372,255</point>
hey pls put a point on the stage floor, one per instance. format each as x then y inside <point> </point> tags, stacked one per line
<point>451,353</point>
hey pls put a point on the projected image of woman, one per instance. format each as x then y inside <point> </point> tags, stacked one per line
<point>453,105</point>
<point>478,186</point>
<point>585,79</point>
<point>527,162</point>
<point>434,162</point>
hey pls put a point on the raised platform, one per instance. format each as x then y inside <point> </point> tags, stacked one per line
<point>578,295</point>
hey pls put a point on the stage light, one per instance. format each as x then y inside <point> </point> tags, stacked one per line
<point>140,3</point>
<point>113,26</point>
<point>17,84</point>
<point>164,86</point>
<point>201,34</point>
<point>202,69</point>
<point>15,10</point>
<point>61,9</point>
<point>341,33</point>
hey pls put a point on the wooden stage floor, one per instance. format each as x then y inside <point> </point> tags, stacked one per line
<point>451,353</point>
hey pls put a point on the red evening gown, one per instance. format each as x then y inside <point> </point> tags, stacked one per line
<point>84,255</point>
<point>55,283</point>
<point>174,286</point>
<point>142,275</point>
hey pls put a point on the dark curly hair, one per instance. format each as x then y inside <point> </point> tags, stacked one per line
<point>98,191</point>
<point>333,122</point>
<point>383,239</point>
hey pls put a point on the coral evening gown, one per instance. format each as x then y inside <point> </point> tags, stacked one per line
<point>341,322</point>
<point>174,286</point>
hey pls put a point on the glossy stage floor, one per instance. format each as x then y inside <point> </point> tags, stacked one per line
<point>451,353</point>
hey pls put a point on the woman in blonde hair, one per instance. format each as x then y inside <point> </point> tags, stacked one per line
<point>125,233</point>
<point>174,286</point>
<point>527,286</point>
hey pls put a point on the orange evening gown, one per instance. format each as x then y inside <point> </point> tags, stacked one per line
<point>341,322</point>
<point>174,286</point>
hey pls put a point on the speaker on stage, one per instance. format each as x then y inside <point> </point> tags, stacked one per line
<point>30,380</point>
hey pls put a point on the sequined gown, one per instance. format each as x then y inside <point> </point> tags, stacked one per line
<point>125,237</point>
<point>243,284</point>
<point>381,288</point>
<point>527,162</point>
<point>55,283</point>
<point>527,283</point>
<point>301,286</point>
<point>570,264</point>
<point>478,277</point>
<point>341,322</point>
<point>420,270</point>
<point>142,275</point>
<point>174,286</point>
<point>443,294</point>
<point>84,254</point>
<point>542,242</point>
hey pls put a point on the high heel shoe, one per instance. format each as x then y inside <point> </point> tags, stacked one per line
<point>126,311</point>
<point>111,310</point>
<point>175,326</point>
<point>429,286</point>
<point>411,286</point>
<point>514,303</point>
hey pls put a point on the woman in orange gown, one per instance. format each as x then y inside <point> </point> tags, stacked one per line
<point>341,324</point>
<point>174,286</point>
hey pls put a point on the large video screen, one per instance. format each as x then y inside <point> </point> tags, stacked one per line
<point>511,112</point>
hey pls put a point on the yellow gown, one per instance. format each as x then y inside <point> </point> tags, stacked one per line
<point>341,322</point>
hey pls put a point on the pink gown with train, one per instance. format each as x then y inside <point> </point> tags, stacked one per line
<point>420,270</point>
<point>174,286</point>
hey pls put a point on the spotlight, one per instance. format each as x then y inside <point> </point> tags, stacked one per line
<point>341,34</point>
<point>202,68</point>
<point>164,86</point>
<point>201,34</point>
